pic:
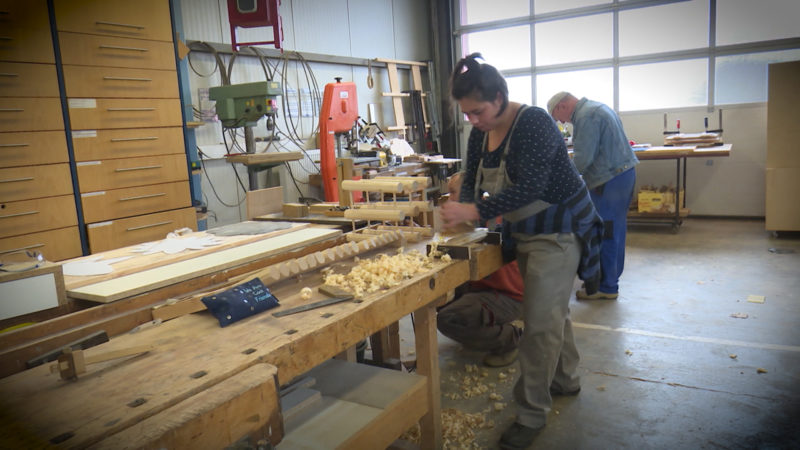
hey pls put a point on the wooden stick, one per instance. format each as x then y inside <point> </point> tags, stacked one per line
<point>373,186</point>
<point>375,214</point>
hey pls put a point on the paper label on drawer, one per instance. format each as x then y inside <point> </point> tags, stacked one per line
<point>93,194</point>
<point>89,163</point>
<point>100,224</point>
<point>82,103</point>
<point>84,134</point>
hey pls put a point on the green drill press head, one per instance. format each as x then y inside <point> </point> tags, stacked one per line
<point>240,105</point>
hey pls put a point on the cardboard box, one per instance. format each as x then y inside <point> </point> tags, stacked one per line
<point>661,201</point>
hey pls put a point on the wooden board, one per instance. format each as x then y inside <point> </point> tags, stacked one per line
<point>358,408</point>
<point>245,404</point>
<point>138,262</point>
<point>264,201</point>
<point>136,283</point>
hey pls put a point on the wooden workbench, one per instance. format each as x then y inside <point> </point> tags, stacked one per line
<point>204,385</point>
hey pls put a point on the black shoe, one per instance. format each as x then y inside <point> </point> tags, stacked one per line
<point>519,437</point>
<point>558,391</point>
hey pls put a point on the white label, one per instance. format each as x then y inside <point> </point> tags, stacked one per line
<point>100,224</point>
<point>82,103</point>
<point>84,134</point>
<point>89,163</point>
<point>93,194</point>
<point>344,94</point>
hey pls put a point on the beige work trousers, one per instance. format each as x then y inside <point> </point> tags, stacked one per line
<point>547,353</point>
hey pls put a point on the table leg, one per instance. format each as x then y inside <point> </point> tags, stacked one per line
<point>386,344</point>
<point>677,221</point>
<point>428,365</point>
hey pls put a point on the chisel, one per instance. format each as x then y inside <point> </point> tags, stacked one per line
<point>319,304</point>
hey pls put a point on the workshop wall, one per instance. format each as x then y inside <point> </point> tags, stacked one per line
<point>393,29</point>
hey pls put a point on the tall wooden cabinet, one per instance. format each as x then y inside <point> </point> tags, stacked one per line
<point>783,147</point>
<point>37,205</point>
<point>125,126</point>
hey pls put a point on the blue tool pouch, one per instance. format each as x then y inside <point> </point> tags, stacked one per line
<point>239,302</point>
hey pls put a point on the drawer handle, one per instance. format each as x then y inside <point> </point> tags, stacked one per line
<point>128,169</point>
<point>117,47</point>
<point>13,145</point>
<point>21,249</point>
<point>9,75</point>
<point>129,109</point>
<point>127,79</point>
<point>148,138</point>
<point>14,180</point>
<point>116,24</point>
<point>158,224</point>
<point>12,110</point>
<point>27,213</point>
<point>141,197</point>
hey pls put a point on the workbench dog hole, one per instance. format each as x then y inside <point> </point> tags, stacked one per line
<point>432,284</point>
<point>291,331</point>
<point>249,351</point>
<point>326,315</point>
<point>198,374</point>
<point>136,403</point>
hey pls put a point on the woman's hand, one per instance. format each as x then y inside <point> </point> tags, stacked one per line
<point>454,213</point>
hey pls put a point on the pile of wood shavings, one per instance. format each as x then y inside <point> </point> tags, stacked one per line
<point>382,272</point>
<point>458,429</point>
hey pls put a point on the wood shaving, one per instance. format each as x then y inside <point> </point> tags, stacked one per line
<point>382,272</point>
<point>732,356</point>
<point>628,352</point>
<point>761,370</point>
<point>458,429</point>
<point>305,293</point>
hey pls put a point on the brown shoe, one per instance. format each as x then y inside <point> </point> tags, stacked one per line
<point>500,359</point>
<point>582,295</point>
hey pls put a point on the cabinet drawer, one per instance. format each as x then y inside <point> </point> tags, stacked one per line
<point>130,172</point>
<point>25,31</point>
<point>90,50</point>
<point>144,19</point>
<point>91,145</point>
<point>118,203</point>
<point>32,148</point>
<point>116,82</point>
<point>55,245</point>
<point>30,216</point>
<point>93,114</point>
<point>30,114</point>
<point>113,234</point>
<point>28,80</point>
<point>22,183</point>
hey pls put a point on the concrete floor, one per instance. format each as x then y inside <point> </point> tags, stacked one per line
<point>665,365</point>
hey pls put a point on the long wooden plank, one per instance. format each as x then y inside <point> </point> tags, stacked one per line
<point>139,261</point>
<point>136,283</point>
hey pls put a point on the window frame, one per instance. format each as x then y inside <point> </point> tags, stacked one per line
<point>615,62</point>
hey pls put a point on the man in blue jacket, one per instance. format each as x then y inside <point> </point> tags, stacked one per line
<point>604,157</point>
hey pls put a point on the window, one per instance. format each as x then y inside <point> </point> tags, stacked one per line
<point>546,6</point>
<point>519,89</point>
<point>666,28</point>
<point>477,11</point>
<point>743,78</point>
<point>506,48</point>
<point>595,84</point>
<point>740,21</point>
<point>571,40</point>
<point>672,84</point>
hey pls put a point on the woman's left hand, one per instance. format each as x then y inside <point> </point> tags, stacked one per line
<point>454,213</point>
